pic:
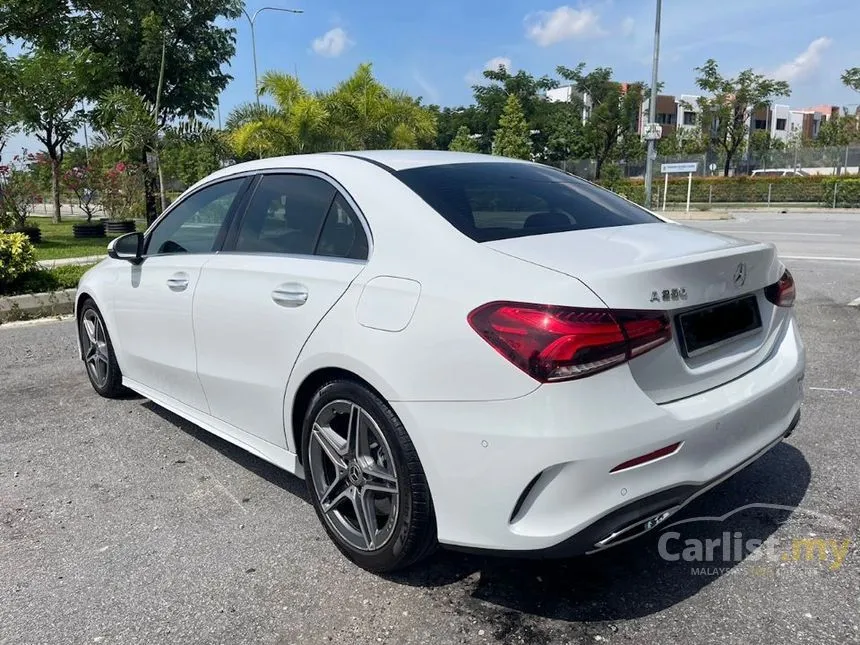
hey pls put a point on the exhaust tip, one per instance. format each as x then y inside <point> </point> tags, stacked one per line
<point>636,528</point>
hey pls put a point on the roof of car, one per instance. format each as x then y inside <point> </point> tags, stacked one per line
<point>403,159</point>
<point>388,159</point>
<point>391,159</point>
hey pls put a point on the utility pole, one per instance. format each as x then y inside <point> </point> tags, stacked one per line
<point>652,109</point>
<point>252,20</point>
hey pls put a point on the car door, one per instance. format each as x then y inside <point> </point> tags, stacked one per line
<point>152,300</point>
<point>295,251</point>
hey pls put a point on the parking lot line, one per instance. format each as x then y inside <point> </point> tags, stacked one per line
<point>737,230</point>
<point>820,258</point>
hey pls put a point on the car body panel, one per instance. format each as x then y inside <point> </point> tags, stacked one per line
<point>247,343</point>
<point>154,321</point>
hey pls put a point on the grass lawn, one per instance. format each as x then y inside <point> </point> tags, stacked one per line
<point>58,241</point>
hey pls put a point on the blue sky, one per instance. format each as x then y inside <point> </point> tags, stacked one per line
<point>437,50</point>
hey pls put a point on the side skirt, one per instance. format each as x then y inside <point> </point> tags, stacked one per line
<point>266,451</point>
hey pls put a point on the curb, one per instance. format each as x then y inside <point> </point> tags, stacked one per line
<point>37,305</point>
<point>60,262</point>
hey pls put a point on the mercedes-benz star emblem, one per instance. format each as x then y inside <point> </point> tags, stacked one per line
<point>740,275</point>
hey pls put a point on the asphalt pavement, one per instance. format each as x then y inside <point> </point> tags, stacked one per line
<point>121,523</point>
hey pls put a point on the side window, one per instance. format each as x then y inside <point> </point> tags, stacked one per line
<point>342,236</point>
<point>193,226</point>
<point>285,215</point>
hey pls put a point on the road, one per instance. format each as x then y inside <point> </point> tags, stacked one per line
<point>120,523</point>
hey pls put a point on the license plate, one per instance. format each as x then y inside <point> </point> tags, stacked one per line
<point>710,327</point>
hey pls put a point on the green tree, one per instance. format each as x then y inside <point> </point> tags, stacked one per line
<point>851,78</point>
<point>46,94</point>
<point>130,123</point>
<point>615,109</point>
<point>359,113</point>
<point>762,144</point>
<point>565,133</point>
<point>8,125</point>
<point>366,115</point>
<point>731,101</point>
<point>682,141</point>
<point>127,36</point>
<point>298,122</point>
<point>491,99</point>
<point>512,136</point>
<point>449,120</point>
<point>838,131</point>
<point>463,141</point>
<point>133,43</point>
<point>187,162</point>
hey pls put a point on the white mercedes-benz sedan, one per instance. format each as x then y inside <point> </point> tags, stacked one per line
<point>452,349</point>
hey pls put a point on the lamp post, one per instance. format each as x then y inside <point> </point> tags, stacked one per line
<point>652,109</point>
<point>252,19</point>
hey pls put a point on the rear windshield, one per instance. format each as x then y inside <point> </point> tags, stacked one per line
<point>499,200</point>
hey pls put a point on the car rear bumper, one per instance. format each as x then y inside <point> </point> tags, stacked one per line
<point>532,475</point>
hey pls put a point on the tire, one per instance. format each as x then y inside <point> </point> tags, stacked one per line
<point>335,464</point>
<point>100,362</point>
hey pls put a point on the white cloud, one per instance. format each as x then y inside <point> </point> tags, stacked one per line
<point>564,23</point>
<point>332,43</point>
<point>476,77</point>
<point>805,64</point>
<point>497,62</point>
<point>628,26</point>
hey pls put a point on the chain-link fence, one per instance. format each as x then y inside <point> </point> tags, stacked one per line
<point>801,161</point>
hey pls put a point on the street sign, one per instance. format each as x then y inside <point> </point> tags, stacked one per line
<point>713,167</point>
<point>679,167</point>
<point>652,131</point>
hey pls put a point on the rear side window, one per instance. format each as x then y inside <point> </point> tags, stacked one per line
<point>342,235</point>
<point>496,201</point>
<point>285,215</point>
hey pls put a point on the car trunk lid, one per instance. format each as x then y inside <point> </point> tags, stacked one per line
<point>679,270</point>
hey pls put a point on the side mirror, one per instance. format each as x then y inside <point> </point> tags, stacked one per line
<point>127,247</point>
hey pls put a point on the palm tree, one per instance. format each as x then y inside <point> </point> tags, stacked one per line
<point>367,115</point>
<point>131,123</point>
<point>359,113</point>
<point>298,123</point>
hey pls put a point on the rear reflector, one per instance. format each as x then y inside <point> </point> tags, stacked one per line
<point>782,293</point>
<point>552,343</point>
<point>644,459</point>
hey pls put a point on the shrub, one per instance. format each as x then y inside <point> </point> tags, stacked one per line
<point>847,192</point>
<point>45,280</point>
<point>814,189</point>
<point>17,256</point>
<point>67,277</point>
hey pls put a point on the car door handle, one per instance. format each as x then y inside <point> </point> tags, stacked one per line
<point>178,282</point>
<point>291,294</point>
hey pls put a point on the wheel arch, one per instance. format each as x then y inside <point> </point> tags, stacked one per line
<point>305,392</point>
<point>80,298</point>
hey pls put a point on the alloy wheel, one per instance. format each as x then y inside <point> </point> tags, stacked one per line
<point>353,475</point>
<point>95,347</point>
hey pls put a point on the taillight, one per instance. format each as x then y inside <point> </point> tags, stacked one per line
<point>552,343</point>
<point>782,293</point>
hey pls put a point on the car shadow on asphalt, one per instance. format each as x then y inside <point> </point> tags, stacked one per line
<point>629,581</point>
<point>243,458</point>
<point>632,580</point>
